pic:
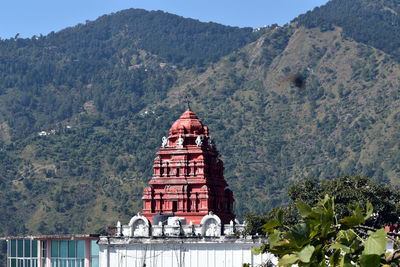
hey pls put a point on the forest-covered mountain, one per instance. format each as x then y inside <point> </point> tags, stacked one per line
<point>121,62</point>
<point>371,22</point>
<point>312,98</point>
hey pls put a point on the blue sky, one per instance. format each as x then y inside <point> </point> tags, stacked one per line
<point>35,17</point>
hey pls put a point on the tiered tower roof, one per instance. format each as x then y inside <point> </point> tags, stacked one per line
<point>188,175</point>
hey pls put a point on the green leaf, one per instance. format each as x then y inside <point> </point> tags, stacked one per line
<point>283,247</point>
<point>371,260</point>
<point>334,259</point>
<point>346,261</point>
<point>356,218</point>
<point>279,216</point>
<point>257,251</point>
<point>369,210</point>
<point>288,260</point>
<point>349,239</point>
<point>376,243</point>
<point>270,226</point>
<point>318,254</point>
<point>273,238</point>
<point>303,208</point>
<point>306,253</point>
<point>338,246</point>
<point>300,234</point>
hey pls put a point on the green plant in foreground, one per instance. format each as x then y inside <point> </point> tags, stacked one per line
<point>321,239</point>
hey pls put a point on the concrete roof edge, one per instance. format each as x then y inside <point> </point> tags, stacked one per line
<point>54,236</point>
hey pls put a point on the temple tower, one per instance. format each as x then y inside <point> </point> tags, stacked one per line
<point>188,175</point>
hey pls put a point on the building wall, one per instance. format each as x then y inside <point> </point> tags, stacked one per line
<point>179,253</point>
<point>48,252</point>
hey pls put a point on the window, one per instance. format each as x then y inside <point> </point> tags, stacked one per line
<point>20,248</point>
<point>80,249</point>
<point>94,253</point>
<point>174,206</point>
<point>64,249</point>
<point>67,253</point>
<point>54,249</point>
<point>22,253</point>
<point>44,253</point>
<point>71,249</point>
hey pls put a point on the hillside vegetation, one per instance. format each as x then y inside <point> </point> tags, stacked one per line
<point>371,22</point>
<point>282,103</point>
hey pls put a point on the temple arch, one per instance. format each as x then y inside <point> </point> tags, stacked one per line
<point>211,225</point>
<point>140,226</point>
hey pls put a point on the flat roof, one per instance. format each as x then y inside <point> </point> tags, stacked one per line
<point>55,236</point>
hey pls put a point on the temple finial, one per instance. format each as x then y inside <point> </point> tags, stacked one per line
<point>187,102</point>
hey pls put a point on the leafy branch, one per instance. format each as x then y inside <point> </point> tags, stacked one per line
<point>321,239</point>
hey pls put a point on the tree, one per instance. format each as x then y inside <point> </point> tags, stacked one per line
<point>321,239</point>
<point>354,190</point>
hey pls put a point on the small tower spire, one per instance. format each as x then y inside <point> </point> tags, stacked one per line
<point>187,102</point>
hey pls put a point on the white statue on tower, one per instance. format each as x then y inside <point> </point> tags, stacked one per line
<point>199,140</point>
<point>180,141</point>
<point>164,142</point>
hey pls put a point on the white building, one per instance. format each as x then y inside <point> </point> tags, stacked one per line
<point>174,244</point>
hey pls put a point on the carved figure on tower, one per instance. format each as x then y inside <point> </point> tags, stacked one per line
<point>180,141</point>
<point>164,142</point>
<point>199,140</point>
<point>188,176</point>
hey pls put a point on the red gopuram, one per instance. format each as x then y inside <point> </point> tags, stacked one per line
<point>188,177</point>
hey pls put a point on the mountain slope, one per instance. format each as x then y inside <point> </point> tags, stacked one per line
<point>370,22</point>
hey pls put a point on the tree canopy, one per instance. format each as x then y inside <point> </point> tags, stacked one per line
<point>348,190</point>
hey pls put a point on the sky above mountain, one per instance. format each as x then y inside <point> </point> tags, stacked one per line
<point>28,18</point>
